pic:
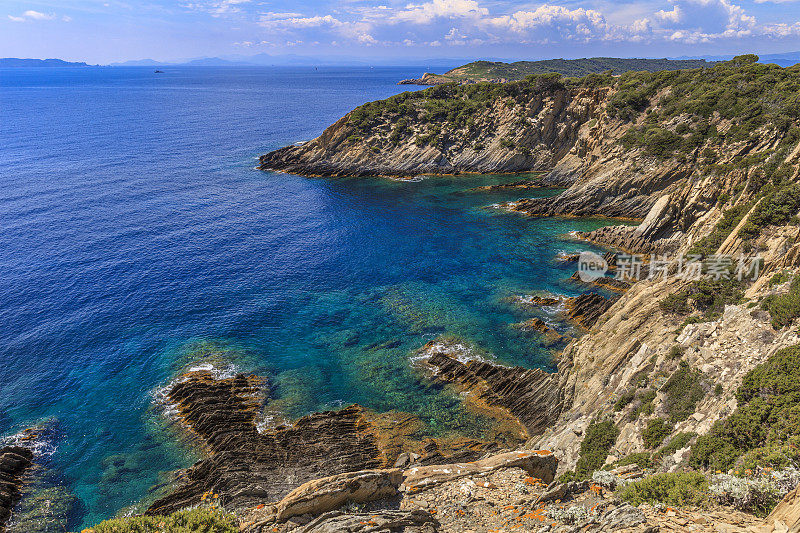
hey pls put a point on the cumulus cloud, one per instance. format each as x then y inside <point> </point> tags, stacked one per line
<point>440,9</point>
<point>694,21</point>
<point>548,23</point>
<point>460,22</point>
<point>35,15</point>
<point>218,8</point>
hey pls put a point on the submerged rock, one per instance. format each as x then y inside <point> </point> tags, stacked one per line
<point>14,462</point>
<point>549,337</point>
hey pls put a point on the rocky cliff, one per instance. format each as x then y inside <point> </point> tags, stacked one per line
<point>663,148</point>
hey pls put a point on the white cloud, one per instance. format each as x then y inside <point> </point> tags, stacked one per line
<point>440,9</point>
<point>550,23</point>
<point>218,8</point>
<point>299,22</point>
<point>35,15</point>
<point>460,22</point>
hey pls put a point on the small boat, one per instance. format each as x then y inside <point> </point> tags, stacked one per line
<point>159,72</point>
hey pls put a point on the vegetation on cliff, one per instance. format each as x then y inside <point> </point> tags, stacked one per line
<point>205,519</point>
<point>486,70</point>
<point>767,416</point>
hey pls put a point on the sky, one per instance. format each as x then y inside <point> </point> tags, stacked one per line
<point>103,31</point>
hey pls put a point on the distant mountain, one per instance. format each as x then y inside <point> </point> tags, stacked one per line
<point>16,62</point>
<point>786,59</point>
<point>214,62</point>
<point>139,63</point>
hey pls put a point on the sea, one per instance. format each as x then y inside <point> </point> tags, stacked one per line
<point>137,239</point>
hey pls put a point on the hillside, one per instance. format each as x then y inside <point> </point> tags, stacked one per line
<point>497,71</point>
<point>16,62</point>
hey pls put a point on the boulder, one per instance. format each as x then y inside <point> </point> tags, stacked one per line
<point>539,464</point>
<point>329,493</point>
<point>384,520</point>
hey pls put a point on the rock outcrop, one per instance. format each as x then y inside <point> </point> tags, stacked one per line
<point>587,308</point>
<point>533,397</point>
<point>14,461</point>
<point>552,129</point>
<point>539,464</point>
<point>246,467</point>
<point>330,493</point>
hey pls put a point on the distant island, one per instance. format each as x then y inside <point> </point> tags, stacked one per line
<point>17,62</point>
<point>497,71</point>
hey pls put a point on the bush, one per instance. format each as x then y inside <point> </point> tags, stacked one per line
<point>645,406</point>
<point>758,494</point>
<point>599,438</point>
<point>776,208</point>
<point>709,244</point>
<point>643,460</point>
<point>683,391</point>
<point>675,489</point>
<point>507,143</point>
<point>677,302</point>
<point>624,399</point>
<point>767,413</point>
<point>780,278</point>
<point>655,432</point>
<point>678,442</point>
<point>192,521</point>
<point>774,456</point>
<point>676,352</point>
<point>784,308</point>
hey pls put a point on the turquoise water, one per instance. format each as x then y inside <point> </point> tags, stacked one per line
<point>136,237</point>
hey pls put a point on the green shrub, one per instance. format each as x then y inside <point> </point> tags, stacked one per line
<point>643,460</point>
<point>777,208</point>
<point>784,308</point>
<point>775,456</point>
<point>731,218</point>
<point>683,391</point>
<point>507,143</point>
<point>780,277</point>
<point>677,489</point>
<point>677,302</point>
<point>645,406</point>
<point>624,399</point>
<point>599,438</point>
<point>655,432</point>
<point>676,352</point>
<point>767,413</point>
<point>678,442</point>
<point>192,521</point>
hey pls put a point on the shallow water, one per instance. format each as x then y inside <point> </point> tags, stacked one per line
<point>136,237</point>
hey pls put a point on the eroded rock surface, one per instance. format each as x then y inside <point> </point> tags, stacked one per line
<point>532,396</point>
<point>246,467</point>
<point>14,461</point>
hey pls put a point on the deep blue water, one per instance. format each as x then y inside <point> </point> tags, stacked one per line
<point>136,237</point>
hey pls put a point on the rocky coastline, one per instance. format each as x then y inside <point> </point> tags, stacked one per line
<point>619,437</point>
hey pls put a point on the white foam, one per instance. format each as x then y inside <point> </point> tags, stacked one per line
<point>41,444</point>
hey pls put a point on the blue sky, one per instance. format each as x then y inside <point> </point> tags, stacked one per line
<point>101,31</point>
